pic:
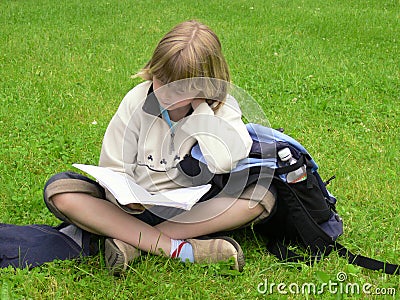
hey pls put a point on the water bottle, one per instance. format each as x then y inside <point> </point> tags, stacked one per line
<point>297,175</point>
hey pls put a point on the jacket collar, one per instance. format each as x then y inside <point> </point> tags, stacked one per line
<point>151,105</point>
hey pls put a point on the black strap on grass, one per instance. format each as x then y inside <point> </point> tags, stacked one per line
<point>366,262</point>
<point>283,253</point>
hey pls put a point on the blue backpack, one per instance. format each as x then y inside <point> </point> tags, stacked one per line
<point>304,213</point>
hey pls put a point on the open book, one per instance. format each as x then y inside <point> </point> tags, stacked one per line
<point>126,191</point>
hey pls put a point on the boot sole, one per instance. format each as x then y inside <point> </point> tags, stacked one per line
<point>114,258</point>
<point>240,255</point>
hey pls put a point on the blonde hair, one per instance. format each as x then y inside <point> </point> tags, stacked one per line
<point>190,50</point>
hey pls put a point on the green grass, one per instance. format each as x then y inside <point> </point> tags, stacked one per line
<point>326,71</point>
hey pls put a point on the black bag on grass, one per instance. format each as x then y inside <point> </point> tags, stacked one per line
<point>305,211</point>
<point>33,245</point>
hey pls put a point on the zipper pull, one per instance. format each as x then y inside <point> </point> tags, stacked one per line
<point>172,144</point>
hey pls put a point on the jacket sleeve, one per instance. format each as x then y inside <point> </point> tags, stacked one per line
<point>120,143</point>
<point>222,135</point>
<point>119,147</point>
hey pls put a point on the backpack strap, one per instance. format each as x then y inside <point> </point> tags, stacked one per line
<point>283,253</point>
<point>366,262</point>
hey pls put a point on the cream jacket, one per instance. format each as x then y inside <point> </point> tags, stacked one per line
<point>141,144</point>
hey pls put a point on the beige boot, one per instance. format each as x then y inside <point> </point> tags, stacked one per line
<point>217,249</point>
<point>118,255</point>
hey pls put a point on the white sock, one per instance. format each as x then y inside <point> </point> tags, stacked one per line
<point>181,249</point>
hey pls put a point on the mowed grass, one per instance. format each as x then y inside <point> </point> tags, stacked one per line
<point>326,71</point>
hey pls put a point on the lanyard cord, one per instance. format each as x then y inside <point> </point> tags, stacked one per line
<point>166,117</point>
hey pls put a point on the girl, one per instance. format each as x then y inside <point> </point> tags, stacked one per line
<point>184,100</point>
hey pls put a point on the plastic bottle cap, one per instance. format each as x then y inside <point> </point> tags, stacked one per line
<point>285,154</point>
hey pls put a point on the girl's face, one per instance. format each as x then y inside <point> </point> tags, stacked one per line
<point>171,96</point>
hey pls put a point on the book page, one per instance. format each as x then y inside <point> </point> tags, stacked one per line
<point>126,191</point>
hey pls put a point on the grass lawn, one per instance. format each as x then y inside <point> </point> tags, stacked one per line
<point>326,71</point>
